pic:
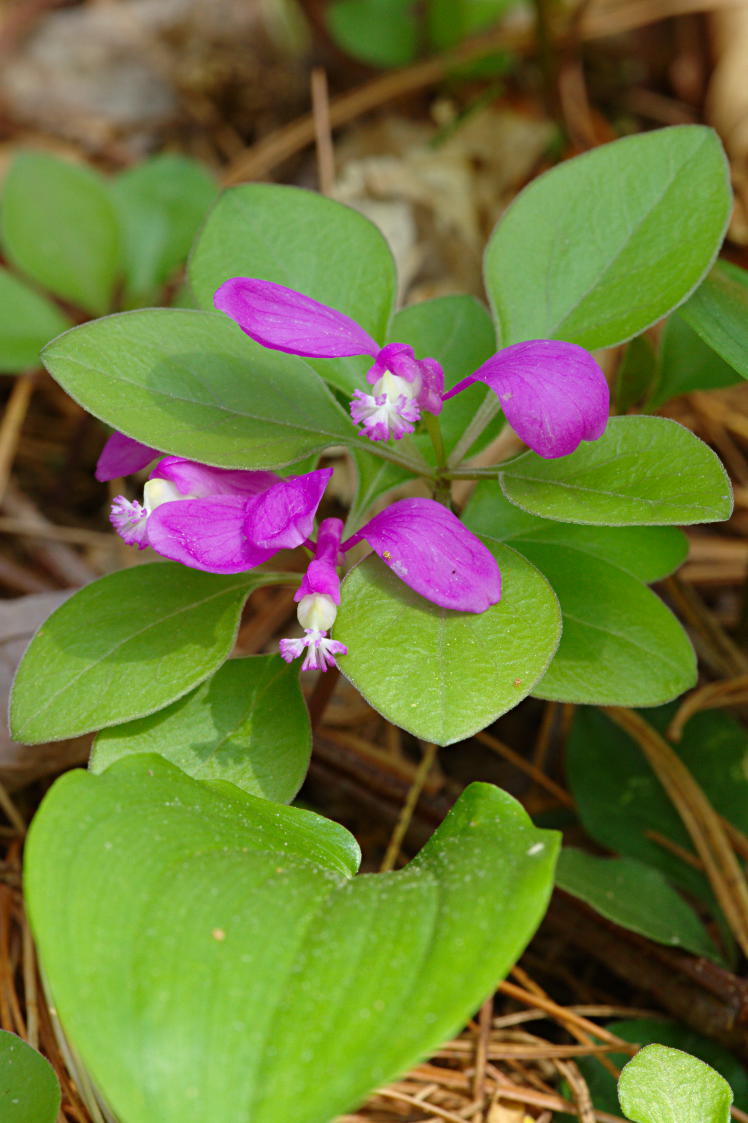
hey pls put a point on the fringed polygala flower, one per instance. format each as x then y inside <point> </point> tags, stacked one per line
<point>423,543</point>
<point>220,519</point>
<point>553,394</point>
<point>121,456</point>
<point>402,387</point>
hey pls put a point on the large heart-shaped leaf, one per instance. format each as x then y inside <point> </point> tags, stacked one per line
<point>29,1089</point>
<point>124,646</point>
<point>192,384</point>
<point>243,961</point>
<point>620,645</point>
<point>663,1085</point>
<point>442,675</point>
<point>643,471</point>
<point>247,723</point>
<point>606,244</point>
<point>59,226</point>
<point>309,243</point>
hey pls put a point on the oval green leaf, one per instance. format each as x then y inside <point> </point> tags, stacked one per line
<point>636,897</point>
<point>247,724</point>
<point>161,203</point>
<point>27,323</point>
<point>380,32</point>
<point>124,646</point>
<point>643,471</point>
<point>611,240</point>
<point>59,226</point>
<point>29,1088</point>
<point>443,675</point>
<point>307,242</point>
<point>244,959</point>
<point>718,313</point>
<point>686,363</point>
<point>192,384</point>
<point>663,1085</point>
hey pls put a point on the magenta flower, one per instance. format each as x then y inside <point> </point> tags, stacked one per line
<point>423,543</point>
<point>219,519</point>
<point>285,320</point>
<point>553,394</point>
<point>121,456</point>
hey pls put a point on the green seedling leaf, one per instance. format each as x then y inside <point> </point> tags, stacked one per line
<point>620,645</point>
<point>451,21</point>
<point>192,384</point>
<point>620,800</point>
<point>247,723</point>
<point>647,1031</point>
<point>643,471</point>
<point>161,203</point>
<point>662,1085</point>
<point>59,226</point>
<point>718,312</point>
<point>124,646</point>
<point>442,675</point>
<point>686,363</point>
<point>635,896</point>
<point>458,332</point>
<point>245,920</point>
<point>612,240</point>
<point>29,1088</point>
<point>380,32</point>
<point>307,242</point>
<point>27,322</point>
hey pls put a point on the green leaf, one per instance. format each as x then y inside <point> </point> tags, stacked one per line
<point>379,32</point>
<point>620,645</point>
<point>247,724</point>
<point>718,312</point>
<point>27,322</point>
<point>192,384</point>
<point>646,1031</point>
<point>636,375</point>
<point>451,21</point>
<point>458,332</point>
<point>636,897</point>
<point>604,245</point>
<point>662,1085</point>
<point>375,477</point>
<point>161,203</point>
<point>59,226</point>
<point>686,363</point>
<point>443,675</point>
<point>643,471</point>
<point>243,959</point>
<point>620,800</point>
<point>124,646</point>
<point>29,1088</point>
<point>307,242</point>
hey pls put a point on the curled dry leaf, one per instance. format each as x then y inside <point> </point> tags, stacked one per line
<point>20,764</point>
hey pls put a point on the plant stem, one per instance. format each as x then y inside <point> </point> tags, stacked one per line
<point>434,430</point>
<point>490,473</point>
<point>483,416</point>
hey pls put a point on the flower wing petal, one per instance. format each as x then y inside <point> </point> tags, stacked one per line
<point>435,554</point>
<point>121,456</point>
<point>286,320</point>
<point>201,480</point>
<point>553,394</point>
<point>283,516</point>
<point>205,534</point>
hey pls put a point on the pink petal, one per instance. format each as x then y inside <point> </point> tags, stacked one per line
<point>205,534</point>
<point>121,456</point>
<point>321,575</point>
<point>553,394</point>
<point>283,516</point>
<point>399,359</point>
<point>201,480</point>
<point>433,552</point>
<point>288,321</point>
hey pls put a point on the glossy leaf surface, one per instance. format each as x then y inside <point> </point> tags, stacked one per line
<point>247,724</point>
<point>254,922</point>
<point>605,244</point>
<point>439,674</point>
<point>124,646</point>
<point>643,471</point>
